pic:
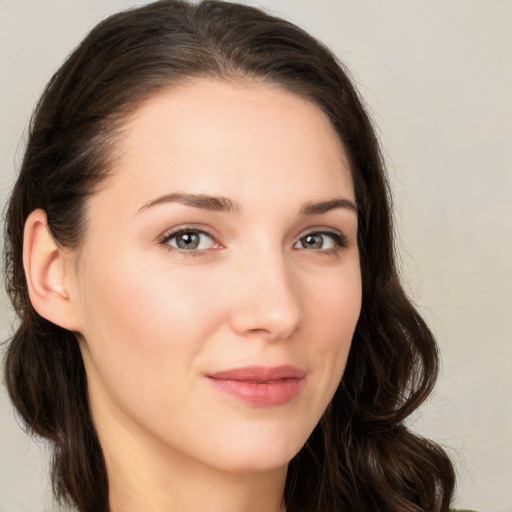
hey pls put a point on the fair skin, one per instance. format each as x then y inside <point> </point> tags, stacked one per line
<point>214,331</point>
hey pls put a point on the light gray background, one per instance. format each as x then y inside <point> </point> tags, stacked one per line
<point>437,76</point>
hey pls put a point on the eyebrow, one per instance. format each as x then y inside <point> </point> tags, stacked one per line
<point>223,204</point>
<point>326,206</point>
<point>205,202</point>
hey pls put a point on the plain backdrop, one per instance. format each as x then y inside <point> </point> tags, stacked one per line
<point>437,76</point>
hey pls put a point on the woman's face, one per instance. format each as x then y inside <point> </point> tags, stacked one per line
<point>219,286</point>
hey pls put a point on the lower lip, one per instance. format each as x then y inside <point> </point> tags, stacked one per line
<point>261,394</point>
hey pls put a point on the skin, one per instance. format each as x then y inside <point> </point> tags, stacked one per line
<point>154,321</point>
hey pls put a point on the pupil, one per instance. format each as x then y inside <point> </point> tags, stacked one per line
<point>188,241</point>
<point>313,241</point>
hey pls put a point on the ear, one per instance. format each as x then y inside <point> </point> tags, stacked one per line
<point>50,273</point>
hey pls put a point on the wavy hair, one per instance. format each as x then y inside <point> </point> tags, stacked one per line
<point>361,456</point>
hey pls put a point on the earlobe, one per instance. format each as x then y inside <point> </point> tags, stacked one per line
<point>47,271</point>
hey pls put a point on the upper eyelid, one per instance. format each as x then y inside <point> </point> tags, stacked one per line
<point>172,232</point>
<point>322,230</point>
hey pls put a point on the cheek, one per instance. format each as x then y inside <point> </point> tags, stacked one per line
<point>126,297</point>
<point>334,311</point>
<point>141,327</point>
<point>336,302</point>
<point>145,335</point>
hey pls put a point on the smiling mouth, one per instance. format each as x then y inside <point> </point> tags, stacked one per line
<point>260,386</point>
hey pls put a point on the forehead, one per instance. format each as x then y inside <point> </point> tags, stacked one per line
<point>234,139</point>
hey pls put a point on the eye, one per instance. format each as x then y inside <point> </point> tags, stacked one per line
<point>324,241</point>
<point>189,240</point>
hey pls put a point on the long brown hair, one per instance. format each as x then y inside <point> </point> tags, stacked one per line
<point>361,456</point>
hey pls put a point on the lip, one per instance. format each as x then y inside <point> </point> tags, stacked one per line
<point>260,386</point>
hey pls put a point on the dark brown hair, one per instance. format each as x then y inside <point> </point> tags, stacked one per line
<point>361,456</point>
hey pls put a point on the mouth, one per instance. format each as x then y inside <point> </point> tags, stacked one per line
<point>260,386</point>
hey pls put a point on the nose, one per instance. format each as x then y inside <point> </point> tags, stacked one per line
<point>267,298</point>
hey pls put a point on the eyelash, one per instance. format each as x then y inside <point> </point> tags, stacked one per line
<point>167,237</point>
<point>339,239</point>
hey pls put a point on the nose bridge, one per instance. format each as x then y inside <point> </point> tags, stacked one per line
<point>267,298</point>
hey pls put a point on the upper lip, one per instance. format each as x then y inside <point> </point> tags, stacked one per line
<point>259,373</point>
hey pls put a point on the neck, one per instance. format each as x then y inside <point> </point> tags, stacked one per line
<point>170,490</point>
<point>146,476</point>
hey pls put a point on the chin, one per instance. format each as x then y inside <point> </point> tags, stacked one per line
<point>264,452</point>
<point>256,463</point>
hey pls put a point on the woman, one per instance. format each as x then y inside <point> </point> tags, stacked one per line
<point>199,248</point>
